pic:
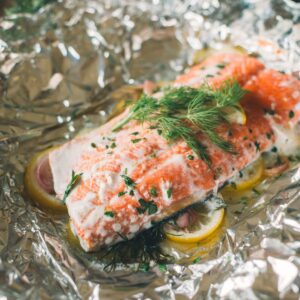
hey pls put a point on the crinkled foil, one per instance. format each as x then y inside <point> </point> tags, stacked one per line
<point>58,69</point>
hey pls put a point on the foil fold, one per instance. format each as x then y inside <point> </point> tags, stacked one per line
<point>58,71</point>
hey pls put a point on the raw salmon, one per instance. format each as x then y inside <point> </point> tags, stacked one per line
<point>133,177</point>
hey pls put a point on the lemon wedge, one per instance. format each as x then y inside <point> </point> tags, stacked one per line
<point>236,115</point>
<point>35,192</point>
<point>247,178</point>
<point>208,221</point>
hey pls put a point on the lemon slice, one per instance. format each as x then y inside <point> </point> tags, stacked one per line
<point>247,178</point>
<point>35,192</point>
<point>236,115</point>
<point>203,229</point>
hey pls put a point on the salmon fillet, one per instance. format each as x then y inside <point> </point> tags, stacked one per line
<point>121,168</point>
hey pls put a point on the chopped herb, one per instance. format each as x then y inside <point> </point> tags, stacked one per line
<point>121,194</point>
<point>257,192</point>
<point>153,155</point>
<point>241,174</point>
<point>125,171</point>
<point>169,192</point>
<point>269,135</point>
<point>274,149</point>
<point>257,145</point>
<point>291,114</point>
<point>135,133</point>
<point>245,138</point>
<point>196,260</point>
<point>182,112</point>
<point>106,146</point>
<point>162,267</point>
<point>269,112</point>
<point>109,214</point>
<point>113,145</point>
<point>221,66</point>
<point>93,145</point>
<point>73,182</point>
<point>144,267</point>
<point>147,206</point>
<point>190,157</point>
<point>209,76</point>
<point>136,141</point>
<point>131,193</point>
<point>153,191</point>
<point>128,181</point>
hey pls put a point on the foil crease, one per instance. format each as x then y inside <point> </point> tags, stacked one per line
<point>58,69</point>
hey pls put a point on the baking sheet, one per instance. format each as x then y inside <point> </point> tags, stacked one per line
<point>58,69</point>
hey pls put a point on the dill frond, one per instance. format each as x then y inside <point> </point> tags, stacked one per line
<point>183,112</point>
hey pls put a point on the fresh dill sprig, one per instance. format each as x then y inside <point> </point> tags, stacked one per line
<point>183,113</point>
<point>73,182</point>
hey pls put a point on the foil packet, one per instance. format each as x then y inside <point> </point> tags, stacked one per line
<point>59,69</point>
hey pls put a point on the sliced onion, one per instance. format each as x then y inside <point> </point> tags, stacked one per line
<point>277,168</point>
<point>44,175</point>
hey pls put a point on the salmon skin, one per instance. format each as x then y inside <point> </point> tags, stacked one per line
<point>134,177</point>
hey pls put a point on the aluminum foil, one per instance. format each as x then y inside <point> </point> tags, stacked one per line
<point>58,70</point>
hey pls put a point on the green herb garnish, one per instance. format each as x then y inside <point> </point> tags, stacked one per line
<point>135,133</point>
<point>74,181</point>
<point>169,192</point>
<point>109,214</point>
<point>197,260</point>
<point>153,192</point>
<point>93,145</point>
<point>147,206</point>
<point>136,141</point>
<point>113,145</point>
<point>190,157</point>
<point>128,181</point>
<point>121,194</point>
<point>184,112</point>
<point>291,114</point>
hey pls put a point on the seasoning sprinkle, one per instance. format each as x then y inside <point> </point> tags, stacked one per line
<point>109,214</point>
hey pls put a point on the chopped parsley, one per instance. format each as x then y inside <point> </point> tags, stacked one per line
<point>257,145</point>
<point>197,260</point>
<point>274,149</point>
<point>131,193</point>
<point>221,66</point>
<point>121,194</point>
<point>128,181</point>
<point>147,206</point>
<point>93,145</point>
<point>136,141</point>
<point>291,114</point>
<point>169,192</point>
<point>162,267</point>
<point>73,182</point>
<point>135,133</point>
<point>190,157</point>
<point>269,135</point>
<point>153,191</point>
<point>113,145</point>
<point>109,214</point>
<point>144,267</point>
